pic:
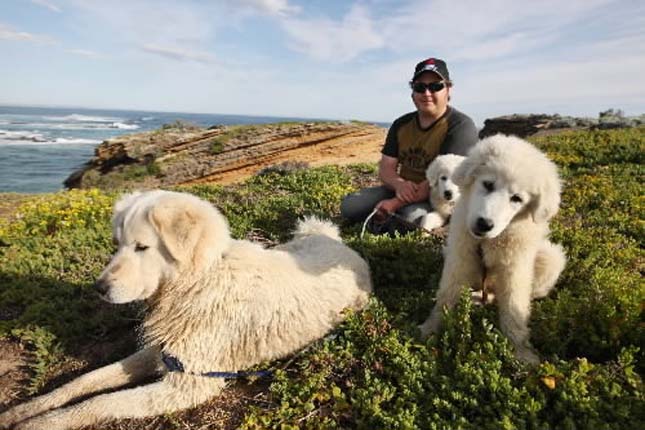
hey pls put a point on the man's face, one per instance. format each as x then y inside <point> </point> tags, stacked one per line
<point>428,103</point>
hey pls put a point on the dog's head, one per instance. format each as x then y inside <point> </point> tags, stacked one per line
<point>160,234</point>
<point>439,175</point>
<point>504,176</point>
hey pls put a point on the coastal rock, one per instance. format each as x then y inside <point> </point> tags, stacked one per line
<point>184,154</point>
<point>528,125</point>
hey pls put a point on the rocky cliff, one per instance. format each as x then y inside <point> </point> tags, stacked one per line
<point>184,154</point>
<point>527,125</point>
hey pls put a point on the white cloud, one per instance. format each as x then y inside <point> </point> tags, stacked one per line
<point>8,33</point>
<point>271,7</point>
<point>466,29</point>
<point>46,3</point>
<point>170,29</point>
<point>84,53</point>
<point>163,22</point>
<point>499,46</point>
<point>327,40</point>
<point>178,53</point>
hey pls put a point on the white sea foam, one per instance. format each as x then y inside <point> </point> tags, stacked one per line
<point>74,126</point>
<point>81,118</point>
<point>31,136</point>
<point>34,138</point>
<point>123,126</point>
<point>62,140</point>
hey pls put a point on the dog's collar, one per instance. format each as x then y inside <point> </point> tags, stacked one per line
<point>173,364</point>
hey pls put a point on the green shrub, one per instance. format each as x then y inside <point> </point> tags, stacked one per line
<point>216,145</point>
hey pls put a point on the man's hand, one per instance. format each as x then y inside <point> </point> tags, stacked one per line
<point>406,191</point>
<point>389,206</point>
<point>423,192</point>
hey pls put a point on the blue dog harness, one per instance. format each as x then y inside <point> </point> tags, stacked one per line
<point>173,364</point>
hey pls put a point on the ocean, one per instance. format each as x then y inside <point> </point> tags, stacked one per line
<point>41,147</point>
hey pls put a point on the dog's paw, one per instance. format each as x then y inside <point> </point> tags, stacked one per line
<point>47,421</point>
<point>527,355</point>
<point>431,221</point>
<point>11,417</point>
<point>428,328</point>
<point>32,424</point>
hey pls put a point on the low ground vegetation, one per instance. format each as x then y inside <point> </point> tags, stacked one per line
<point>373,372</point>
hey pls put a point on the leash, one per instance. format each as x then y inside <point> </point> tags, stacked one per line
<point>398,217</point>
<point>173,364</point>
<point>485,279</point>
<point>367,220</point>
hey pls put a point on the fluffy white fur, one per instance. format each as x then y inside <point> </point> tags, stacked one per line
<point>215,303</point>
<point>509,192</point>
<point>444,193</point>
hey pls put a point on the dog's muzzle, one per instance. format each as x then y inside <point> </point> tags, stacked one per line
<point>447,195</point>
<point>483,226</point>
<point>101,287</point>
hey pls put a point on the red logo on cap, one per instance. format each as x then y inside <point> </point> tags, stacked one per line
<point>430,61</point>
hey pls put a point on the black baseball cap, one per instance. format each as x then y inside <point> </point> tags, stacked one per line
<point>432,65</point>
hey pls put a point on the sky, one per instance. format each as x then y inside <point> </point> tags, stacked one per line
<point>334,59</point>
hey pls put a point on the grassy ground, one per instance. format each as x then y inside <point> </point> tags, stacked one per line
<point>373,373</point>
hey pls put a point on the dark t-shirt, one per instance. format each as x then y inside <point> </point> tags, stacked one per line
<point>416,147</point>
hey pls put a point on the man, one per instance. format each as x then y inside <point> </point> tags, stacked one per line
<point>412,142</point>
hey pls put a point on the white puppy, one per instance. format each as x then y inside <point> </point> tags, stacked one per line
<point>443,191</point>
<point>215,306</point>
<point>498,234</point>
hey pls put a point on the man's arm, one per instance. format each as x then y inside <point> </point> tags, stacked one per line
<point>421,194</point>
<point>406,191</point>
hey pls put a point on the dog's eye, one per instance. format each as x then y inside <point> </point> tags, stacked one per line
<point>515,198</point>
<point>444,178</point>
<point>138,247</point>
<point>488,186</point>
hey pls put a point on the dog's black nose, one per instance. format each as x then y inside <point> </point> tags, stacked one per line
<point>447,194</point>
<point>484,225</point>
<point>101,287</point>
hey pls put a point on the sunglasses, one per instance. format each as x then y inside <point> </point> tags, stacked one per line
<point>433,87</point>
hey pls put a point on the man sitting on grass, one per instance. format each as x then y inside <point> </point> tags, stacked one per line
<point>413,141</point>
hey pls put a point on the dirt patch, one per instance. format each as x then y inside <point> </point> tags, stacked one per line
<point>13,372</point>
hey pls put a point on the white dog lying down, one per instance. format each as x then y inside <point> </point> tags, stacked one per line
<point>215,305</point>
<point>498,234</point>
<point>443,191</point>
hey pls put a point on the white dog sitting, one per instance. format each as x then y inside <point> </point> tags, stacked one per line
<point>443,191</point>
<point>498,234</point>
<point>215,306</point>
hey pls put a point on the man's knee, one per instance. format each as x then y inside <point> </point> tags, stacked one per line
<point>353,208</point>
<point>357,206</point>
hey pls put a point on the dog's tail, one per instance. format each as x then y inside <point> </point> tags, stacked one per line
<point>312,226</point>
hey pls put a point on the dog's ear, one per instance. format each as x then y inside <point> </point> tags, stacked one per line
<point>547,202</point>
<point>432,173</point>
<point>121,207</point>
<point>125,201</point>
<point>465,173</point>
<point>178,226</point>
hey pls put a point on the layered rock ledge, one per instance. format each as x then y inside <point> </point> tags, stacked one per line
<point>185,154</point>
